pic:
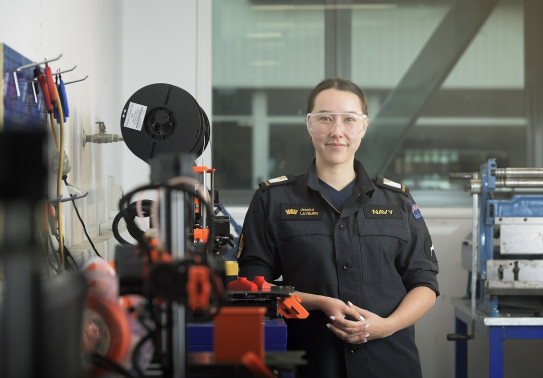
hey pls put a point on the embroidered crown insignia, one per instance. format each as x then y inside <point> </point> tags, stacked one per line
<point>291,211</point>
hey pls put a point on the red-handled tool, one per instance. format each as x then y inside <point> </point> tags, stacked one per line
<point>45,91</point>
<point>51,85</point>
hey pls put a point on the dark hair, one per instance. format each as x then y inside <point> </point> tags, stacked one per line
<point>339,84</point>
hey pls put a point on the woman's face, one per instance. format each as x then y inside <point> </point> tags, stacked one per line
<point>336,147</point>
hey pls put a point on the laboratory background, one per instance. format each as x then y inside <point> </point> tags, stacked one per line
<point>455,94</point>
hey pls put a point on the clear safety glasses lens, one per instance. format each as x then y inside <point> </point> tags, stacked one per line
<point>324,123</point>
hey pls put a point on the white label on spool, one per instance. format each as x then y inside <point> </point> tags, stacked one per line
<point>135,116</point>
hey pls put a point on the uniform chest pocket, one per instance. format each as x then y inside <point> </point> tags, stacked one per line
<point>302,240</point>
<point>381,242</point>
<point>292,228</point>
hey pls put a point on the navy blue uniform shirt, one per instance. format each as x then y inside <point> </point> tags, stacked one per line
<point>371,253</point>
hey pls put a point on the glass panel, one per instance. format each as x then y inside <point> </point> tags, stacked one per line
<point>291,149</point>
<point>267,55</point>
<point>266,58</point>
<point>476,114</point>
<point>257,44</point>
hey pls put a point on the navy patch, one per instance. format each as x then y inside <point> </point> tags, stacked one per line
<point>382,212</point>
<point>391,185</point>
<point>429,249</point>
<point>416,211</point>
<point>276,181</point>
<point>301,211</point>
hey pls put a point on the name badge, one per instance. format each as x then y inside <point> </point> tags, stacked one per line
<point>301,211</point>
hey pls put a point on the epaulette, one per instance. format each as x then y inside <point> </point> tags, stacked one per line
<point>276,181</point>
<point>391,185</point>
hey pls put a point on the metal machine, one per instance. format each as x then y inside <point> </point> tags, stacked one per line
<point>505,254</point>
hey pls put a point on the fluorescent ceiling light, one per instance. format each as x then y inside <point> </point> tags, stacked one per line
<point>269,44</point>
<point>321,7</point>
<point>264,35</point>
<point>276,25</point>
<point>264,63</point>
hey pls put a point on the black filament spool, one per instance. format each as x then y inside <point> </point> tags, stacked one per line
<point>163,118</point>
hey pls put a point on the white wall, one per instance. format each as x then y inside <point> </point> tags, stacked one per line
<point>122,46</point>
<point>167,41</point>
<point>89,35</point>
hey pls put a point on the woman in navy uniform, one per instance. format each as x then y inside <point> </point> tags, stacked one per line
<point>356,249</point>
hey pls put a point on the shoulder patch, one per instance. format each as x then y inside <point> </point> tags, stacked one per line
<point>391,185</point>
<point>429,250</point>
<point>416,211</point>
<point>276,181</point>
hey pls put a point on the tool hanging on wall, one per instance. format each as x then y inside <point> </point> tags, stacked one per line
<point>36,84</point>
<point>62,94</point>
<point>53,94</point>
<point>50,94</point>
<point>56,106</point>
<point>63,99</point>
<point>30,65</point>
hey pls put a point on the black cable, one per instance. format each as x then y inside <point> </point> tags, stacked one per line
<point>136,352</point>
<point>141,319</point>
<point>131,213</point>
<point>81,220</point>
<point>125,200</point>
<point>115,229</point>
<point>55,252</point>
<point>104,363</point>
<point>68,254</point>
<point>51,250</point>
<point>48,251</point>
<point>129,220</point>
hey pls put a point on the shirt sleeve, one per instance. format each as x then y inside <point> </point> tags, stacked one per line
<point>418,261</point>
<point>256,250</point>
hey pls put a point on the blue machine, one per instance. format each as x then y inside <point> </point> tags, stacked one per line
<point>200,336</point>
<point>505,259</point>
<point>507,242</point>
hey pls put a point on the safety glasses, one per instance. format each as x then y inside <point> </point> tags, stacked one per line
<point>349,123</point>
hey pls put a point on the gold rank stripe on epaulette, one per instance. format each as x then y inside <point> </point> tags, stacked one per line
<point>389,184</point>
<point>276,181</point>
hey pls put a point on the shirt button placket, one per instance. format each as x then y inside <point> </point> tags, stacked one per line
<point>342,227</point>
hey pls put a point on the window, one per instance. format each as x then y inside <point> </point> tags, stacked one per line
<point>445,91</point>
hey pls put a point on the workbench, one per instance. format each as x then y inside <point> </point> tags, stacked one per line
<point>497,329</point>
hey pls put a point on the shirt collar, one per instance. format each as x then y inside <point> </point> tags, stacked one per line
<point>363,182</point>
